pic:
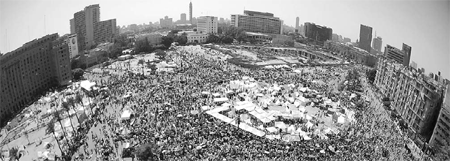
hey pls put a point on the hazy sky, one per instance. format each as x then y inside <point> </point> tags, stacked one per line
<point>424,25</point>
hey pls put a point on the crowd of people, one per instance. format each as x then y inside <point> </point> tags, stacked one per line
<point>162,108</point>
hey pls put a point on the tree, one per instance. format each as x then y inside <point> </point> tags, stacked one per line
<point>146,152</point>
<point>167,41</point>
<point>51,129</point>
<point>212,39</point>
<point>182,39</point>
<point>227,39</point>
<point>57,117</point>
<point>71,102</point>
<point>371,75</point>
<point>143,45</point>
<point>161,54</point>
<point>26,136</point>
<point>77,73</point>
<point>66,107</point>
<point>141,62</point>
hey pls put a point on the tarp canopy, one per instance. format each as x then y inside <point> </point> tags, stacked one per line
<point>126,114</point>
<point>223,99</point>
<point>86,84</point>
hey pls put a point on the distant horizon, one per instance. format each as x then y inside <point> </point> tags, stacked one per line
<point>421,24</point>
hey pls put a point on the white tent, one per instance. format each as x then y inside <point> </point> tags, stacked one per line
<point>223,99</point>
<point>86,84</point>
<point>126,114</point>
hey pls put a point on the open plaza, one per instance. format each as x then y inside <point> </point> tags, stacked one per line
<point>211,102</point>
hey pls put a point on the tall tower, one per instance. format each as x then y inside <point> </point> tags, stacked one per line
<point>296,22</point>
<point>190,12</point>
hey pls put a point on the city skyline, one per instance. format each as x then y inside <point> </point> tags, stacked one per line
<point>397,22</point>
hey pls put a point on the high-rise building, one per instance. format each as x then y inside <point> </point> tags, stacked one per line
<point>346,39</point>
<point>365,37</point>
<point>416,97</point>
<point>317,32</point>
<point>297,21</point>
<point>80,29</point>
<point>30,70</point>
<point>105,31</point>
<point>207,24</point>
<point>441,131</point>
<point>166,22</point>
<point>397,55</point>
<point>253,21</point>
<point>72,26</point>
<point>183,18</point>
<point>407,50</point>
<point>190,12</point>
<point>92,16</point>
<point>377,43</point>
<point>86,24</point>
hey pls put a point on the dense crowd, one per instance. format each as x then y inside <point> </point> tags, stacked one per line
<point>162,108</point>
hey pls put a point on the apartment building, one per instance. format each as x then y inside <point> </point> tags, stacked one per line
<point>105,31</point>
<point>400,56</point>
<point>441,131</point>
<point>207,24</point>
<point>351,53</point>
<point>30,70</point>
<point>416,97</point>
<point>90,30</point>
<point>258,22</point>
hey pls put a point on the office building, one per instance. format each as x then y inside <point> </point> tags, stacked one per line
<point>365,37</point>
<point>197,37</point>
<point>190,13</point>
<point>89,29</point>
<point>407,51</point>
<point>317,32</point>
<point>166,22</point>
<point>377,43</point>
<point>207,24</point>
<point>413,65</point>
<point>105,31</point>
<point>416,97</point>
<point>397,55</point>
<point>92,16</point>
<point>351,53</point>
<point>80,29</point>
<point>183,18</point>
<point>297,23</point>
<point>441,131</point>
<point>258,22</point>
<point>30,70</point>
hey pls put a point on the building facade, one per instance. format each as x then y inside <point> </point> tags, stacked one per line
<point>365,37</point>
<point>351,53</point>
<point>397,55</point>
<point>441,131</point>
<point>166,22</point>
<point>416,97</point>
<point>407,51</point>
<point>207,24</point>
<point>92,16</point>
<point>317,32</point>
<point>377,43</point>
<point>105,31</point>
<point>90,30</point>
<point>183,18</point>
<point>196,37</point>
<point>30,70</point>
<point>258,22</point>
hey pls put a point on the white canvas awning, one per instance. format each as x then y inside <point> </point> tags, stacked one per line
<point>125,114</point>
<point>223,99</point>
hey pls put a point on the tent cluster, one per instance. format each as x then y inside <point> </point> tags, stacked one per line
<point>289,112</point>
